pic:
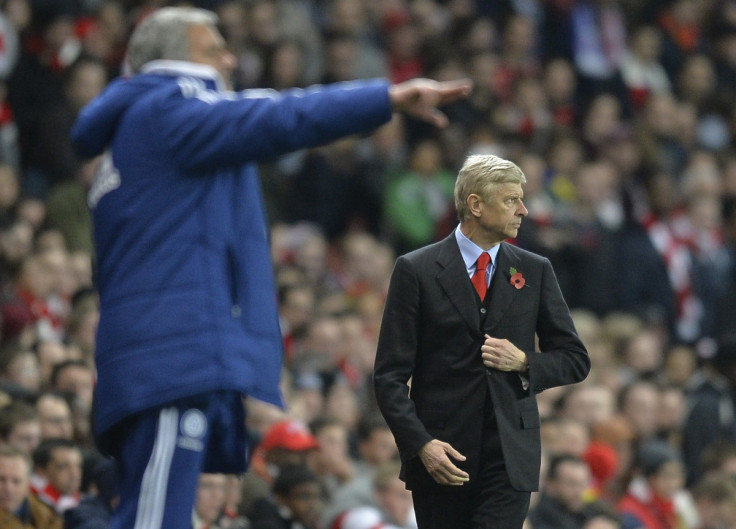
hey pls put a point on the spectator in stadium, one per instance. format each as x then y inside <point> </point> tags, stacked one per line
<point>285,443</point>
<point>55,415</point>
<point>75,379</point>
<point>650,499</point>
<point>332,461</point>
<point>210,501</point>
<point>20,426</point>
<point>57,474</point>
<point>19,368</point>
<point>100,495</point>
<point>296,501</point>
<point>390,505</point>
<point>715,501</point>
<point>18,507</point>
<point>375,447</point>
<point>419,199</point>
<point>639,404</point>
<point>562,500</point>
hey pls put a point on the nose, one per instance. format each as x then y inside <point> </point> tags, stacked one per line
<point>521,210</point>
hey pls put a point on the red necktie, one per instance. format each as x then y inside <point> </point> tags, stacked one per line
<point>479,277</point>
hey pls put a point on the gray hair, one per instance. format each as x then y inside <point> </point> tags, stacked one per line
<point>481,174</point>
<point>164,34</point>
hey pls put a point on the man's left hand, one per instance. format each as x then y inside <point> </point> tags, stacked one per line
<point>501,354</point>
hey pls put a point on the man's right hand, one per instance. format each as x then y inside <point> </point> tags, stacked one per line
<point>434,455</point>
<point>420,98</point>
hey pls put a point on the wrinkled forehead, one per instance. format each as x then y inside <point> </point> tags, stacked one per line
<point>506,190</point>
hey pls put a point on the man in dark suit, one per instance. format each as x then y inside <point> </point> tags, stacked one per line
<point>468,430</point>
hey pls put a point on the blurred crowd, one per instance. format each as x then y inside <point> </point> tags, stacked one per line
<point>621,113</point>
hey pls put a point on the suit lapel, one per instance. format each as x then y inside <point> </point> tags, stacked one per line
<point>454,281</point>
<point>502,291</point>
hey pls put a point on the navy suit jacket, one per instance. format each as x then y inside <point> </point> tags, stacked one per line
<point>430,339</point>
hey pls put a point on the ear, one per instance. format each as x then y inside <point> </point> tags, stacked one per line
<point>475,205</point>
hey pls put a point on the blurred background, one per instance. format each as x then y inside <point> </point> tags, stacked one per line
<point>621,113</point>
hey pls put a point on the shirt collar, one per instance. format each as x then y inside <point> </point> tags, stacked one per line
<point>471,251</point>
<point>177,68</point>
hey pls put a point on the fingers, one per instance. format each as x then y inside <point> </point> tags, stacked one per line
<point>453,453</point>
<point>435,456</point>
<point>431,115</point>
<point>449,477</point>
<point>495,359</point>
<point>501,345</point>
<point>449,474</point>
<point>420,98</point>
<point>425,107</point>
<point>502,355</point>
<point>442,94</point>
<point>438,119</point>
<point>454,90</point>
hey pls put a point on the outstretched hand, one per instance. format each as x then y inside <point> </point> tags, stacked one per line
<point>435,456</point>
<point>420,98</point>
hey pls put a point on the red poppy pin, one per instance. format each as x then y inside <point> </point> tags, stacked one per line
<point>517,279</point>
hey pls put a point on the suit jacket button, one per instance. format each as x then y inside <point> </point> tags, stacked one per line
<point>482,310</point>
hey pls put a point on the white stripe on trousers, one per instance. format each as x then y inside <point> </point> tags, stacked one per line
<point>152,499</point>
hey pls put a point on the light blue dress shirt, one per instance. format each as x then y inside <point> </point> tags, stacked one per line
<point>471,251</point>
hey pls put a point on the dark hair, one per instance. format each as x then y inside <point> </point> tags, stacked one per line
<point>370,423</point>
<point>103,473</point>
<point>625,392</point>
<point>554,464</point>
<point>652,455</point>
<point>323,421</point>
<point>290,477</point>
<point>718,488</point>
<point>83,295</point>
<point>728,207</point>
<point>15,413</point>
<point>716,453</point>
<point>44,453</point>
<point>9,352</point>
<point>61,366</point>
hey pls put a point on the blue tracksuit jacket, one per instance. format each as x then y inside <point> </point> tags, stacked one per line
<point>187,297</point>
